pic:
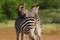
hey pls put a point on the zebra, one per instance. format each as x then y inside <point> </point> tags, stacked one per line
<point>38,28</point>
<point>21,17</point>
<point>29,26</point>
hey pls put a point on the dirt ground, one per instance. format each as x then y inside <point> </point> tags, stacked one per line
<point>11,35</point>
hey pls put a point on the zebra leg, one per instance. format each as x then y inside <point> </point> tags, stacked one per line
<point>22,36</point>
<point>17,36</point>
<point>38,30</point>
<point>31,34</point>
<point>38,33</point>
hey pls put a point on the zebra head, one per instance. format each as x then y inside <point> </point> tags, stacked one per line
<point>21,9</point>
<point>34,9</point>
<point>33,12</point>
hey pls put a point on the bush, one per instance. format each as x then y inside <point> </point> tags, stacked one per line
<point>56,18</point>
<point>9,9</point>
<point>49,16</point>
<point>3,18</point>
<point>49,4</point>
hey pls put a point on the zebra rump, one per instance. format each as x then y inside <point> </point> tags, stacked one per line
<point>27,24</point>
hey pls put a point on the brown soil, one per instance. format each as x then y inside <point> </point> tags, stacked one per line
<point>11,35</point>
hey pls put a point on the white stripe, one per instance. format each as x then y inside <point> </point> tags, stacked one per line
<point>25,24</point>
<point>26,19</point>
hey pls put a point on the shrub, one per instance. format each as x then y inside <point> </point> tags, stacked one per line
<point>3,18</point>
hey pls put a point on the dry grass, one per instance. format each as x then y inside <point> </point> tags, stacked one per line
<point>8,25</point>
<point>46,28</point>
<point>51,28</point>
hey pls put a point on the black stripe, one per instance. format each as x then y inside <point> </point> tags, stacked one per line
<point>26,21</point>
<point>26,25</point>
<point>30,17</point>
<point>29,27</point>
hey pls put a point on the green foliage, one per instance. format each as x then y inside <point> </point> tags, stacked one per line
<point>8,9</point>
<point>56,18</point>
<point>50,16</point>
<point>2,18</point>
<point>49,4</point>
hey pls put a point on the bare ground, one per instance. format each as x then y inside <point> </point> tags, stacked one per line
<point>11,35</point>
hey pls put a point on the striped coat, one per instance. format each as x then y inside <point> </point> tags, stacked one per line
<point>24,25</point>
<point>29,24</point>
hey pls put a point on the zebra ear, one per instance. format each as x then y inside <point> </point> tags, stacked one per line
<point>37,7</point>
<point>33,8</point>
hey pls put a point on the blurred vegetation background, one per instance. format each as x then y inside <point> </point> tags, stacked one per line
<point>49,11</point>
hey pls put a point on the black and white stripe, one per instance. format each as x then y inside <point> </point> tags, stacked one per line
<point>27,24</point>
<point>24,26</point>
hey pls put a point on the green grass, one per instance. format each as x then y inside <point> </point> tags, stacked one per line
<point>9,25</point>
<point>50,28</point>
<point>46,28</point>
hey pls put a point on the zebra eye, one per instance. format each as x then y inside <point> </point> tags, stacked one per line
<point>21,7</point>
<point>38,20</point>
